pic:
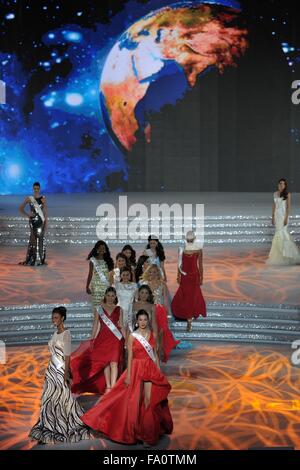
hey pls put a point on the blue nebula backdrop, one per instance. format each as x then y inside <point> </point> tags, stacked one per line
<point>52,54</point>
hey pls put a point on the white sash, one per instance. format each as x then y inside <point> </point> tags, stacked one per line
<point>180,253</point>
<point>109,323</point>
<point>37,208</point>
<point>148,348</point>
<point>58,364</point>
<point>56,361</point>
<point>102,277</point>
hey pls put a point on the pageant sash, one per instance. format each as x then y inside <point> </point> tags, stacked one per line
<point>180,253</point>
<point>109,323</point>
<point>102,277</point>
<point>38,210</point>
<point>148,348</point>
<point>57,362</point>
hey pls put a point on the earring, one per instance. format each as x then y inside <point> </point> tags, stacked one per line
<point>136,324</point>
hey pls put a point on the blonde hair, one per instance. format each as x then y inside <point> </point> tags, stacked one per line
<point>146,275</point>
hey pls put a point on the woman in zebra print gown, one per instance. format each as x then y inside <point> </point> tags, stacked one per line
<point>60,413</point>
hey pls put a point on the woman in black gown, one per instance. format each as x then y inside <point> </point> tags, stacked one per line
<point>36,252</point>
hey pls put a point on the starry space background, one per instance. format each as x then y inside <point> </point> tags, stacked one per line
<point>51,56</point>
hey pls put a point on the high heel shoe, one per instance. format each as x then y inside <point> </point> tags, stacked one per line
<point>189,326</point>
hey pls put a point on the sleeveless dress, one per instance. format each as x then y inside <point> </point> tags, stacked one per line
<point>188,302</point>
<point>121,414</point>
<point>36,251</point>
<point>60,413</point>
<point>168,340</point>
<point>125,294</point>
<point>283,250</point>
<point>92,356</point>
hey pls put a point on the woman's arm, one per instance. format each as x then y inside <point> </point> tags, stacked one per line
<point>67,354</point>
<point>89,278</point>
<point>154,323</point>
<point>129,360</point>
<point>111,278</point>
<point>45,211</point>
<point>273,213</point>
<point>156,356</point>
<point>200,266</point>
<point>121,322</point>
<point>165,294</point>
<point>133,274</point>
<point>67,374</point>
<point>22,208</point>
<point>162,265</point>
<point>96,325</point>
<point>288,206</point>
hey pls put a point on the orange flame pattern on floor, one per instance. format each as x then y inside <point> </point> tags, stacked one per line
<point>230,274</point>
<point>223,397</point>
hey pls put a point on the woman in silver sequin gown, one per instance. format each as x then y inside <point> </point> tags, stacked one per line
<point>36,252</point>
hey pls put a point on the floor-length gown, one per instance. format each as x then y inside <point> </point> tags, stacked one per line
<point>99,284</point>
<point>36,251</point>
<point>188,302</point>
<point>168,340</point>
<point>125,294</point>
<point>121,414</point>
<point>283,250</point>
<point>92,356</point>
<point>60,413</point>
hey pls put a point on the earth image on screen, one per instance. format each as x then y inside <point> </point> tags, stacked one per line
<point>159,58</point>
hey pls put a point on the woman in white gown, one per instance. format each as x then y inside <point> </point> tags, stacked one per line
<point>60,413</point>
<point>283,251</point>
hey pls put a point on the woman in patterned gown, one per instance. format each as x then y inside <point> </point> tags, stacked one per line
<point>60,413</point>
<point>101,264</point>
<point>36,252</point>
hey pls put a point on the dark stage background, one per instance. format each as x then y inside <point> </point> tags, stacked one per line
<point>79,75</point>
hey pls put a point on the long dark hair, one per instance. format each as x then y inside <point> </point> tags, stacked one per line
<point>132,258</point>
<point>61,310</point>
<point>150,295</point>
<point>139,266</point>
<point>160,252</point>
<point>284,193</point>
<point>107,256</point>
<point>111,289</point>
<point>139,313</point>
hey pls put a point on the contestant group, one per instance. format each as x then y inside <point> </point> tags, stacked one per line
<point>130,336</point>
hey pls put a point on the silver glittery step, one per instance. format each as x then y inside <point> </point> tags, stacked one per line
<point>82,230</point>
<point>226,321</point>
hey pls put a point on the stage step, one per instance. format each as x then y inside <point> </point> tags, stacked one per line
<point>218,230</point>
<point>232,322</point>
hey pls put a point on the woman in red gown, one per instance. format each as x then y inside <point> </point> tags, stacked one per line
<point>153,278</point>
<point>96,363</point>
<point>188,302</point>
<point>136,409</point>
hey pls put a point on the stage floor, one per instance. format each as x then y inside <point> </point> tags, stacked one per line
<point>236,273</point>
<point>223,397</point>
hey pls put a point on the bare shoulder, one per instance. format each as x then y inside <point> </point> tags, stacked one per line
<point>130,340</point>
